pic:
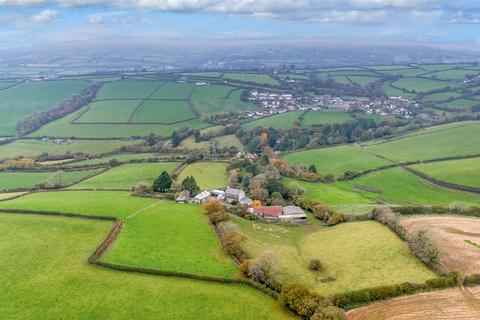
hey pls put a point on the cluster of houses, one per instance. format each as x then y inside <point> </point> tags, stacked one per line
<point>391,106</point>
<point>237,196</point>
<point>59,141</point>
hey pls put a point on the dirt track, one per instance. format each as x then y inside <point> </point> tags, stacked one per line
<point>449,234</point>
<point>448,304</point>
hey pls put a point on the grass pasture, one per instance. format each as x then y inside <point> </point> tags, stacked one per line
<point>363,80</point>
<point>461,104</point>
<point>20,101</point>
<point>126,176</point>
<point>453,74</point>
<point>337,160</point>
<point>209,175</point>
<point>213,99</point>
<point>127,89</point>
<point>279,121</point>
<point>463,171</point>
<point>43,260</point>
<point>312,118</point>
<point>32,148</point>
<point>204,74</point>
<point>421,84</point>
<point>114,111</point>
<point>437,142</point>
<point>442,96</point>
<point>251,77</point>
<point>358,254</point>
<point>174,90</point>
<point>118,157</point>
<point>163,111</point>
<point>229,141</point>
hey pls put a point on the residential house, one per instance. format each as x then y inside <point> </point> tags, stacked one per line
<point>183,197</point>
<point>202,197</point>
<point>234,195</point>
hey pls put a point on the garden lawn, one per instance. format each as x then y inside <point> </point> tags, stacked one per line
<point>209,175</point>
<point>18,102</point>
<point>359,254</point>
<point>251,77</point>
<point>337,160</point>
<point>163,111</point>
<point>127,89</point>
<point>126,176</point>
<point>280,121</point>
<point>442,141</point>
<point>172,237</point>
<point>31,148</point>
<point>109,111</point>
<point>463,171</point>
<point>324,117</point>
<point>45,275</point>
<point>29,180</point>
<point>173,90</point>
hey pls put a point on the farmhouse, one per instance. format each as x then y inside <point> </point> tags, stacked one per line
<point>202,197</point>
<point>183,197</point>
<point>234,195</point>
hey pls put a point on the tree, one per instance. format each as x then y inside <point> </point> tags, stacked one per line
<point>312,168</point>
<point>175,139</point>
<point>163,182</point>
<point>190,184</point>
<point>214,205</point>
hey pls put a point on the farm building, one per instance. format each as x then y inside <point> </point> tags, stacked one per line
<point>246,201</point>
<point>293,213</point>
<point>278,213</point>
<point>234,195</point>
<point>268,213</point>
<point>202,197</point>
<point>183,197</point>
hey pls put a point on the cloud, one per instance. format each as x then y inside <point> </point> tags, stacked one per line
<point>45,16</point>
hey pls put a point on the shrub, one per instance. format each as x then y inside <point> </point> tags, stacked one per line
<point>217,217</point>
<point>335,218</point>
<point>214,205</point>
<point>329,313</point>
<point>264,268</point>
<point>231,242</point>
<point>315,265</point>
<point>391,219</point>
<point>421,246</point>
<point>140,188</point>
<point>227,226</point>
<point>472,280</point>
<point>244,266</point>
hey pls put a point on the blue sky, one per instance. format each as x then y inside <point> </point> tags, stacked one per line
<point>438,22</point>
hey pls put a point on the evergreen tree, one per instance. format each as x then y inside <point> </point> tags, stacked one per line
<point>175,139</point>
<point>190,184</point>
<point>312,168</point>
<point>163,182</point>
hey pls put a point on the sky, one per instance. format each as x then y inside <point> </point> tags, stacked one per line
<point>427,22</point>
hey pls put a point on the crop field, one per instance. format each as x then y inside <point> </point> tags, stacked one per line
<point>209,175</point>
<point>421,84</point>
<point>337,160</point>
<point>28,180</point>
<point>456,238</point>
<point>126,176</point>
<point>251,77</point>
<point>31,148</point>
<point>453,303</point>
<point>280,121</point>
<point>36,273</point>
<point>173,90</point>
<point>463,171</point>
<point>366,254</point>
<point>20,101</point>
<point>324,117</point>
<point>163,111</point>
<point>109,111</point>
<point>127,89</point>
<point>213,99</point>
<point>443,141</point>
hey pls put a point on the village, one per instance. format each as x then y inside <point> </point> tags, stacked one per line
<point>271,103</point>
<point>233,196</point>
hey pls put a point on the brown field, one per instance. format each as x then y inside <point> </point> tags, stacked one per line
<point>457,239</point>
<point>439,305</point>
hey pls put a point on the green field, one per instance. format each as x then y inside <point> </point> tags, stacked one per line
<point>363,80</point>
<point>280,121</point>
<point>118,157</point>
<point>292,76</point>
<point>109,111</point>
<point>442,96</point>
<point>126,176</point>
<point>251,77</point>
<point>213,99</point>
<point>18,102</point>
<point>394,92</point>
<point>341,79</point>
<point>461,104</point>
<point>453,74</point>
<point>163,111</point>
<point>174,90</point>
<point>127,89</point>
<point>312,118</point>
<point>229,141</point>
<point>358,254</point>
<point>464,171</point>
<point>209,175</point>
<point>206,74</point>
<point>64,128</point>
<point>442,141</point>
<point>421,84</point>
<point>46,276</point>
<point>337,160</point>
<point>29,180</point>
<point>31,148</point>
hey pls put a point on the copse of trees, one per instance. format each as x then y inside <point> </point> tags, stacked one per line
<point>67,106</point>
<point>190,184</point>
<point>163,183</point>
